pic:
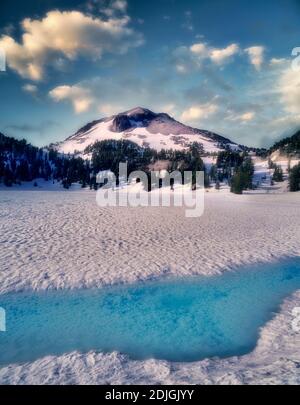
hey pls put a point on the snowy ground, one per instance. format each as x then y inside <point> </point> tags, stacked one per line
<point>61,239</point>
<point>262,178</point>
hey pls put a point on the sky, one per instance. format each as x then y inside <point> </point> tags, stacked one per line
<point>225,66</point>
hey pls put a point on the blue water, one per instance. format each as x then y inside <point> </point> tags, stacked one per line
<point>177,320</point>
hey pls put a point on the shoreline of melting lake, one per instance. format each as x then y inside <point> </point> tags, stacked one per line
<point>179,320</point>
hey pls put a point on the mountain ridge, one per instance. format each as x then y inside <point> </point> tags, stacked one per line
<point>147,129</point>
<point>289,145</point>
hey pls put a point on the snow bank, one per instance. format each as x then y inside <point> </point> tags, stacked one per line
<point>55,239</point>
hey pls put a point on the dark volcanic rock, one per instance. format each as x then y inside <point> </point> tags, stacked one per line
<point>121,123</point>
<point>138,117</point>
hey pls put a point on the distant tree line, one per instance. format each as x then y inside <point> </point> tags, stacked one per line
<point>21,162</point>
<point>235,168</point>
<point>289,145</point>
<point>108,154</point>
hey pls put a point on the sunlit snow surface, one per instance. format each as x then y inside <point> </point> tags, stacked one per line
<point>140,136</point>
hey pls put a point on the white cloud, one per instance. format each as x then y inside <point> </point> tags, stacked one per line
<point>69,34</point>
<point>108,95</point>
<point>199,49</point>
<point>256,56</point>
<point>198,112</point>
<point>80,97</point>
<point>109,109</point>
<point>184,60</point>
<point>120,5</point>
<point>169,108</point>
<point>30,88</point>
<point>289,90</point>
<point>245,117</point>
<point>216,55</point>
<point>180,68</point>
<point>187,58</point>
<point>113,7</point>
<point>277,61</point>
<point>221,55</point>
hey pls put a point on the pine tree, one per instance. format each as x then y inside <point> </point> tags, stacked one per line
<point>295,178</point>
<point>237,183</point>
<point>278,174</point>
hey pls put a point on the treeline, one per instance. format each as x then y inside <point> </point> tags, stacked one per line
<point>21,162</point>
<point>290,145</point>
<point>108,154</point>
<point>234,168</point>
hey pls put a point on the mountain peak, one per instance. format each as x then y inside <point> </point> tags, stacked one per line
<point>147,129</point>
<point>138,111</point>
<point>135,118</point>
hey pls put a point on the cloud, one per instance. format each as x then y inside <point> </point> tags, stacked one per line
<point>114,6</point>
<point>194,57</point>
<point>30,88</point>
<point>188,21</point>
<point>245,117</point>
<point>40,128</point>
<point>169,108</point>
<point>67,34</point>
<point>198,112</point>
<point>80,97</point>
<point>187,59</point>
<point>199,49</point>
<point>278,61</point>
<point>181,68</point>
<point>183,60</point>
<point>109,95</point>
<point>120,5</point>
<point>256,56</point>
<point>220,55</point>
<point>109,109</point>
<point>216,55</point>
<point>289,90</point>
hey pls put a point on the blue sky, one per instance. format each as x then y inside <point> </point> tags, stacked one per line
<point>224,66</point>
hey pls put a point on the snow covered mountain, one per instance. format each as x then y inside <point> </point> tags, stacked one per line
<point>147,129</point>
